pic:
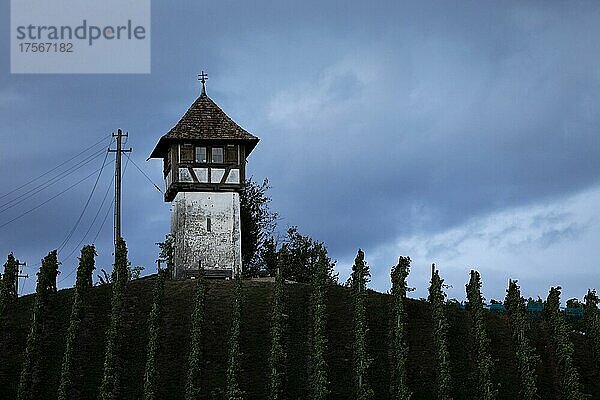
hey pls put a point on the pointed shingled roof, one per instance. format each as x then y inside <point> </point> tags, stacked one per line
<point>204,120</point>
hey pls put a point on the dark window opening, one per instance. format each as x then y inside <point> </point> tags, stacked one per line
<point>187,153</point>
<point>208,225</point>
<point>231,155</point>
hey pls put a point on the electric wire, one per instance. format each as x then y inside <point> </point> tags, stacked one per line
<point>97,233</point>
<point>56,167</point>
<point>112,204</point>
<point>94,145</point>
<point>87,203</point>
<point>36,190</point>
<point>143,173</point>
<point>75,249</point>
<point>94,219</point>
<point>48,200</point>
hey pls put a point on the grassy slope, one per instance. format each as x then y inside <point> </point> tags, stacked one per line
<point>174,345</point>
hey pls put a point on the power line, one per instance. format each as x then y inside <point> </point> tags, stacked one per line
<point>143,173</point>
<point>56,167</point>
<point>94,219</point>
<point>104,220</point>
<point>66,240</point>
<point>50,199</point>
<point>99,230</point>
<point>52,180</point>
<point>24,196</point>
<point>75,248</point>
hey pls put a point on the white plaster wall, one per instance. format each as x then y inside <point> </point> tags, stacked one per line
<point>233,177</point>
<point>184,175</point>
<point>216,174</point>
<point>221,248</point>
<point>201,174</point>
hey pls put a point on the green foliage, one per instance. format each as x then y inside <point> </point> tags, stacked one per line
<point>399,274</point>
<point>82,283</point>
<point>110,378</point>
<point>86,268</point>
<point>277,356</point>
<point>574,303</point>
<point>167,252</point>
<point>192,389</point>
<point>9,279</point>
<point>318,381</point>
<point>519,325</point>
<point>360,277</point>
<point>258,300</point>
<point>591,322</point>
<point>260,256</point>
<point>233,367</point>
<point>120,273</point>
<point>299,255</point>
<point>258,224</point>
<point>48,273</point>
<point>481,353</point>
<point>440,333</point>
<point>559,332</point>
<point>134,272</point>
<point>150,373</point>
<point>269,258</point>
<point>531,301</point>
<point>46,286</point>
<point>104,278</point>
<point>8,285</point>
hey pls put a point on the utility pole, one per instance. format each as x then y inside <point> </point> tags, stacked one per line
<point>20,275</point>
<point>118,152</point>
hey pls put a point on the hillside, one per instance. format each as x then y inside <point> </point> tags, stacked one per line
<point>174,344</point>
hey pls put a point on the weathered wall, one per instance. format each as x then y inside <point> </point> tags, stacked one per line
<point>218,249</point>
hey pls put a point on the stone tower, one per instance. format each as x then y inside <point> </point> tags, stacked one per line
<point>204,159</point>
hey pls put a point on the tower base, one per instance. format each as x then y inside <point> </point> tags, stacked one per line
<point>206,231</point>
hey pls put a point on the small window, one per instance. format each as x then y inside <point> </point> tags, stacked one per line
<point>200,154</point>
<point>231,155</point>
<point>208,225</point>
<point>217,155</point>
<point>187,153</point>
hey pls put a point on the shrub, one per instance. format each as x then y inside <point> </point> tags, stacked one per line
<point>481,353</point>
<point>360,277</point>
<point>318,367</point>
<point>192,390</point>
<point>110,378</point>
<point>8,285</point>
<point>591,322</point>
<point>233,368</point>
<point>83,282</point>
<point>563,348</point>
<point>399,274</point>
<point>519,325</point>
<point>46,285</point>
<point>277,355</point>
<point>440,333</point>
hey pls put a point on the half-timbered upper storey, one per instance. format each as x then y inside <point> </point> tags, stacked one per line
<point>205,151</point>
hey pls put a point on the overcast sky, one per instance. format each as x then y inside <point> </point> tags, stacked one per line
<point>461,133</point>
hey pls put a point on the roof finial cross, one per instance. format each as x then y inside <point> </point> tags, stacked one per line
<point>202,78</point>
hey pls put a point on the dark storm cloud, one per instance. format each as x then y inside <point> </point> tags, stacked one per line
<point>377,121</point>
